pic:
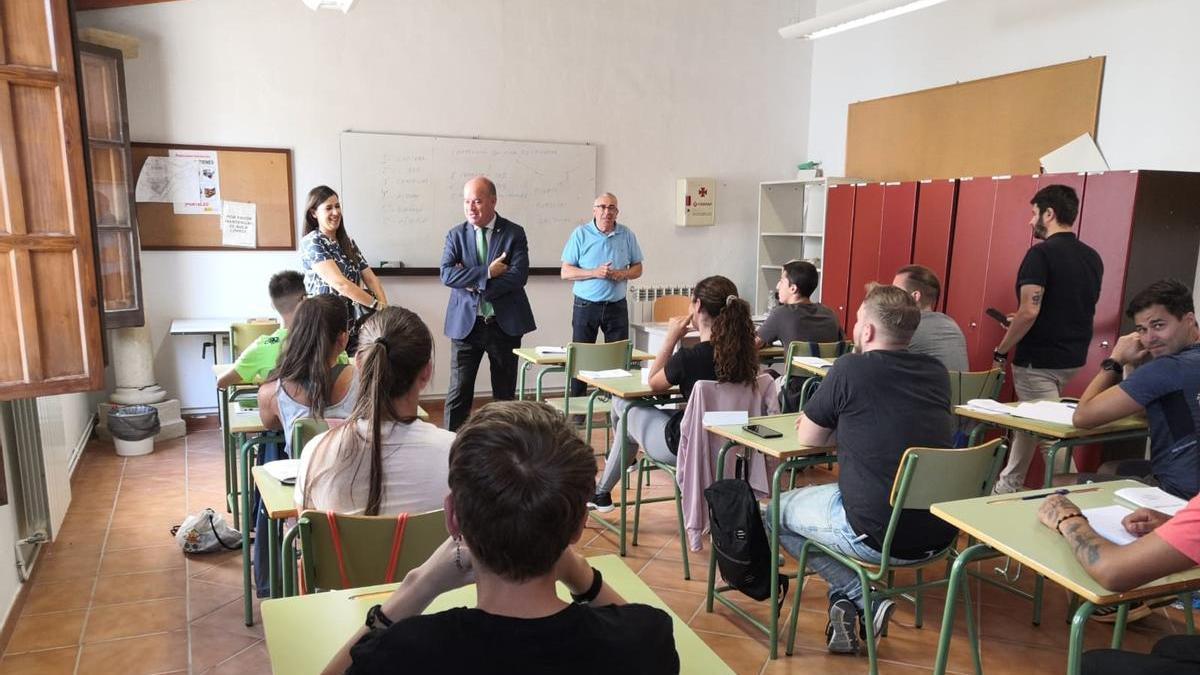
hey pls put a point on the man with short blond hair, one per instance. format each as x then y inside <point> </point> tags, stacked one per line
<point>879,401</point>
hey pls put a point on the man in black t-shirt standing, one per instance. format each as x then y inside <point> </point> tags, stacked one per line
<point>1058,285</point>
<point>880,401</point>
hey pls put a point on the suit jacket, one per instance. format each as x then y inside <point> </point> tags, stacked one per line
<point>468,279</point>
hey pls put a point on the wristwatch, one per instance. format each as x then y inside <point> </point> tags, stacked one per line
<point>376,617</point>
<point>1112,365</point>
<point>999,357</point>
<point>590,594</point>
<point>374,304</point>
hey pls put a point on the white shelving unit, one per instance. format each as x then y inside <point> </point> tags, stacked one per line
<point>791,225</point>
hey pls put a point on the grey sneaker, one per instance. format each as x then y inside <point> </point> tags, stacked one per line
<point>881,616</point>
<point>842,630</point>
<point>1006,485</point>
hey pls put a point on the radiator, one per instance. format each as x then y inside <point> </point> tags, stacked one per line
<point>641,299</point>
<point>30,499</point>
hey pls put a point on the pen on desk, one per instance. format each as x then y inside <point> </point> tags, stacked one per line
<point>1025,498</point>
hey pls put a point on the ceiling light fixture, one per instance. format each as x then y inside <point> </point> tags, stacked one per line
<point>853,16</point>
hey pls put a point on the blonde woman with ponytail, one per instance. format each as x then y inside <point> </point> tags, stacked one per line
<point>726,353</point>
<point>383,460</point>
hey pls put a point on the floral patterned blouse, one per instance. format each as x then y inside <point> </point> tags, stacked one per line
<point>315,247</point>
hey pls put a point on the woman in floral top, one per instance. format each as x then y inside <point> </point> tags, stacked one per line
<point>332,261</point>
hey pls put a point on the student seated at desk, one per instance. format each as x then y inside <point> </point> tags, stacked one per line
<point>1155,369</point>
<point>725,353</point>
<point>309,381</point>
<point>1165,545</point>
<point>798,318</point>
<point>937,335</point>
<point>257,361</point>
<point>519,481</point>
<point>383,460</point>
<point>880,401</point>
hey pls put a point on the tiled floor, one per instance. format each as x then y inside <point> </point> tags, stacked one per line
<point>113,594</point>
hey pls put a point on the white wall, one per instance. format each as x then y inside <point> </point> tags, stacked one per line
<point>1150,91</point>
<point>665,89</point>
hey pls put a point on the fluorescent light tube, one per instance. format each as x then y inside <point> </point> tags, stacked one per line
<point>853,16</point>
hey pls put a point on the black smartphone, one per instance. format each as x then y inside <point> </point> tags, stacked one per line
<point>762,431</point>
<point>998,316</point>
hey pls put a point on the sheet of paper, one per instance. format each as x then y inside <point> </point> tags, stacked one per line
<point>283,470</point>
<point>714,418</point>
<point>1080,154</point>
<point>812,361</point>
<point>1152,498</point>
<point>239,224</point>
<point>207,197</point>
<point>989,406</point>
<point>1106,521</point>
<point>1054,412</point>
<point>167,179</point>
<point>605,374</point>
<point>545,350</point>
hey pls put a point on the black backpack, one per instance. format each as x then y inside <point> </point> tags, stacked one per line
<point>739,539</point>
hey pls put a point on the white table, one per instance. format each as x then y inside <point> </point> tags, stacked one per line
<point>210,327</point>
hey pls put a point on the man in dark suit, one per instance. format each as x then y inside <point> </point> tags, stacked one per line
<point>488,310</point>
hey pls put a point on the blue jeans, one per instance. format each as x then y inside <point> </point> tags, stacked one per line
<point>817,513</point>
<point>589,318</point>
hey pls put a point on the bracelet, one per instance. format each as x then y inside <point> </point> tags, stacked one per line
<point>1058,525</point>
<point>590,594</point>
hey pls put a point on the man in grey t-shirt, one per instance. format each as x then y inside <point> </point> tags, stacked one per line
<point>937,335</point>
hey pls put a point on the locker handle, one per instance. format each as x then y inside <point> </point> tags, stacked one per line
<point>1104,344</point>
<point>973,324</point>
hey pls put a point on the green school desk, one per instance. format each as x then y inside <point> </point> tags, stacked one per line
<point>304,632</point>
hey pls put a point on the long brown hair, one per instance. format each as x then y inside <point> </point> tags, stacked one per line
<point>317,197</point>
<point>734,353</point>
<point>395,345</point>
<point>309,349</point>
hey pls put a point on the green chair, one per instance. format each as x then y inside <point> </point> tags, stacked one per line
<point>823,350</point>
<point>304,429</point>
<point>965,386</point>
<point>926,476</point>
<point>341,551</point>
<point>241,334</point>
<point>588,356</point>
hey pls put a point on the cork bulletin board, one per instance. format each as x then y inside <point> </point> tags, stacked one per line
<point>262,176</point>
<point>995,126</point>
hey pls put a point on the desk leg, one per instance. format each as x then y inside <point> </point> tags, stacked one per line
<point>624,474</point>
<point>1051,454</point>
<point>222,418</point>
<point>773,515</point>
<point>235,442</point>
<point>274,558</point>
<point>958,577</point>
<point>712,552</point>
<point>1075,646</point>
<point>1119,627</point>
<point>521,388</point>
<point>248,453</point>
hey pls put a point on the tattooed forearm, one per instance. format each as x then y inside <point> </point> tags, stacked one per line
<point>1085,544</point>
<point>1036,299</point>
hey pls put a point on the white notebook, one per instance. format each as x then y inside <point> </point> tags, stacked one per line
<point>283,470</point>
<point>545,350</point>
<point>1054,412</point>
<point>605,374</point>
<point>1152,498</point>
<point>1106,521</point>
<point>812,361</point>
<point>717,418</point>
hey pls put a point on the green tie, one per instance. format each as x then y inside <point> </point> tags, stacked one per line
<point>485,307</point>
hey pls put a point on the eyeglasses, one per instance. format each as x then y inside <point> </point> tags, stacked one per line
<point>605,207</point>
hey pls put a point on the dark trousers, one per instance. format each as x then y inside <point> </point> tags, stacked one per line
<point>589,318</point>
<point>1172,655</point>
<point>465,355</point>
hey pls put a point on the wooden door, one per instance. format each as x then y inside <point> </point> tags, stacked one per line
<point>934,230</point>
<point>896,231</point>
<point>839,232</point>
<point>102,73</point>
<point>48,301</point>
<point>969,262</point>
<point>864,257</point>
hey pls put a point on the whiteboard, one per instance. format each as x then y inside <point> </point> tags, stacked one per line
<point>401,194</point>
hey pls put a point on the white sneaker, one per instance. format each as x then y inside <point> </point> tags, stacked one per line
<point>1006,485</point>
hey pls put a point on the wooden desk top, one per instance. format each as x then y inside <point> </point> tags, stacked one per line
<point>304,632</point>
<point>1049,429</point>
<point>784,447</point>
<point>626,387</point>
<point>278,499</point>
<point>530,354</point>
<point>1012,528</point>
<point>244,421</point>
<point>811,371</point>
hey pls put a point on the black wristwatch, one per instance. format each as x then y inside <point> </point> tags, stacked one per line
<point>1112,365</point>
<point>374,304</point>
<point>590,594</point>
<point>376,617</point>
<point>999,357</point>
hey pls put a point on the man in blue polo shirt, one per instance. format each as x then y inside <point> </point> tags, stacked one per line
<point>600,257</point>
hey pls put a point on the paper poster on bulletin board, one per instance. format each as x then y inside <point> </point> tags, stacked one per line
<point>256,181</point>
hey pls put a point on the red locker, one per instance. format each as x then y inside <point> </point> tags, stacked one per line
<point>896,235</point>
<point>839,228</point>
<point>934,229</point>
<point>1010,239</point>
<point>864,256</point>
<point>969,263</point>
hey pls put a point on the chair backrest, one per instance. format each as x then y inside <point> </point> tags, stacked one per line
<point>670,306</point>
<point>600,356</point>
<point>243,333</point>
<point>304,429</point>
<point>367,545</point>
<point>965,386</point>
<point>824,350</point>
<point>927,476</point>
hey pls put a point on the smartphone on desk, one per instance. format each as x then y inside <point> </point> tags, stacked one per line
<point>762,431</point>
